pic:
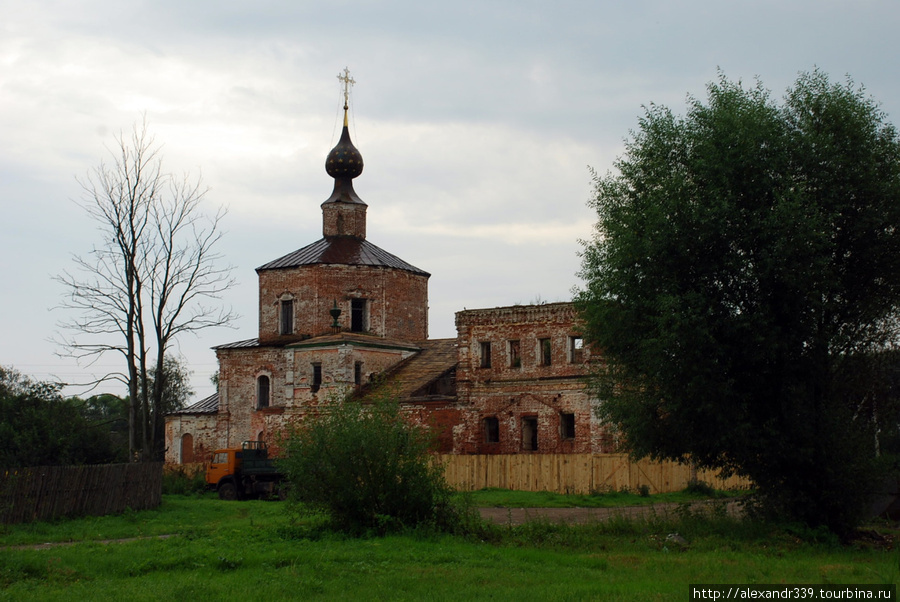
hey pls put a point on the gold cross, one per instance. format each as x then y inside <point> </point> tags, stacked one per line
<point>348,82</point>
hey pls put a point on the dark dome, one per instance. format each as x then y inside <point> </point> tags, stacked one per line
<point>344,161</point>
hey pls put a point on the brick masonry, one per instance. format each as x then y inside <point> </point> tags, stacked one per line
<point>396,301</point>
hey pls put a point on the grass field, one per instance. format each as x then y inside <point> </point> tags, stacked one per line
<point>255,551</point>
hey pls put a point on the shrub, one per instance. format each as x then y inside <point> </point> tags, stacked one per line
<point>180,481</point>
<point>368,470</point>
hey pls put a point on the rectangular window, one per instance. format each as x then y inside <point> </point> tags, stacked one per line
<point>576,349</point>
<point>357,373</point>
<point>262,392</point>
<point>515,355</point>
<point>545,349</point>
<point>491,429</point>
<point>358,319</point>
<point>529,433</point>
<point>317,378</point>
<point>567,426</point>
<point>485,354</point>
<point>287,316</point>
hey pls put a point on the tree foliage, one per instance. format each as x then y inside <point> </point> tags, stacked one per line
<point>38,427</point>
<point>368,469</point>
<point>153,276</point>
<point>746,260</point>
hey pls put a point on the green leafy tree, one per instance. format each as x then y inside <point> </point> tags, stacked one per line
<point>746,258</point>
<point>38,427</point>
<point>367,469</point>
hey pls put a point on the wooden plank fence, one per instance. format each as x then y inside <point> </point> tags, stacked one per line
<point>48,492</point>
<point>575,473</point>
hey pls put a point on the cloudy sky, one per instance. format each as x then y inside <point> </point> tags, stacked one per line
<point>477,121</point>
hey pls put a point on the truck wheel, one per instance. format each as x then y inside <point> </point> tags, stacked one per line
<point>227,491</point>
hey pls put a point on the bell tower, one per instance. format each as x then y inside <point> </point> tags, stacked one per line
<point>344,213</point>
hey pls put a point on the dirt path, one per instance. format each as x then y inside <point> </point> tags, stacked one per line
<point>517,516</point>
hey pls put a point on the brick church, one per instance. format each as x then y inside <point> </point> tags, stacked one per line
<point>341,313</point>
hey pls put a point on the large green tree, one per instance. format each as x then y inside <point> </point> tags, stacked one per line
<point>745,261</point>
<point>39,427</point>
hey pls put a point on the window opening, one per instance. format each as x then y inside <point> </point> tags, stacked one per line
<point>529,433</point>
<point>567,426</point>
<point>357,373</point>
<point>545,349</point>
<point>485,354</point>
<point>287,316</point>
<point>576,349</point>
<point>358,322</point>
<point>515,356</point>
<point>491,429</point>
<point>317,377</point>
<point>262,392</point>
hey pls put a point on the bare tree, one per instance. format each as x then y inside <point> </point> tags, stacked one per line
<point>153,276</point>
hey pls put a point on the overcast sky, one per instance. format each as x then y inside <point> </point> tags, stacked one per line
<point>477,122</point>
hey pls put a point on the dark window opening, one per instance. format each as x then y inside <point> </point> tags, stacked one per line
<point>486,354</point>
<point>317,377</point>
<point>530,433</point>
<point>576,349</point>
<point>262,392</point>
<point>545,349</point>
<point>287,316</point>
<point>357,373</point>
<point>515,356</point>
<point>358,322</point>
<point>567,426</point>
<point>491,429</point>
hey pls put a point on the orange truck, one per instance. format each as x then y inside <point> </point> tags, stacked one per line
<point>244,472</point>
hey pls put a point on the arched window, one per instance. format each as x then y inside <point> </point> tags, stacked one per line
<point>187,448</point>
<point>262,392</point>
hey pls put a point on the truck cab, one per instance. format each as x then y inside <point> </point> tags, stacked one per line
<point>242,472</point>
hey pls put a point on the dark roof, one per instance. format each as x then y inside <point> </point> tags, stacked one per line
<point>341,250</point>
<point>245,344</point>
<point>208,405</point>
<point>356,339</point>
<point>413,376</point>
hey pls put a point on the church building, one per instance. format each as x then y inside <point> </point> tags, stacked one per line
<point>340,314</point>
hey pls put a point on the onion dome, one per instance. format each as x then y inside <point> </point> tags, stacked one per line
<point>344,161</point>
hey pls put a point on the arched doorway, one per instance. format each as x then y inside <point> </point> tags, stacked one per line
<point>187,448</point>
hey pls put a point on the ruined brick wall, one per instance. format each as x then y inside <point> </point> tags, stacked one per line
<point>520,373</point>
<point>292,389</point>
<point>202,435</point>
<point>396,301</point>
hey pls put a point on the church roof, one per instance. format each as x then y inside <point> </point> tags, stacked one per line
<point>207,405</point>
<point>414,377</point>
<point>341,250</point>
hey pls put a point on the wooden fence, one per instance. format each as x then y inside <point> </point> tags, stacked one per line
<point>575,473</point>
<point>48,492</point>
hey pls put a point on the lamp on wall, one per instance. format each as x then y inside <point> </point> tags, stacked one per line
<point>335,314</point>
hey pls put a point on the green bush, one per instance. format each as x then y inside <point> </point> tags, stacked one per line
<point>368,470</point>
<point>179,481</point>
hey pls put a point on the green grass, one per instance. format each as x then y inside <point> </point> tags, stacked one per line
<point>505,498</point>
<point>255,551</point>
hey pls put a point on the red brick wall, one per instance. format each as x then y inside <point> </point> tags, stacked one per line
<point>290,375</point>
<point>397,300</point>
<point>201,427</point>
<point>344,219</point>
<point>530,388</point>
